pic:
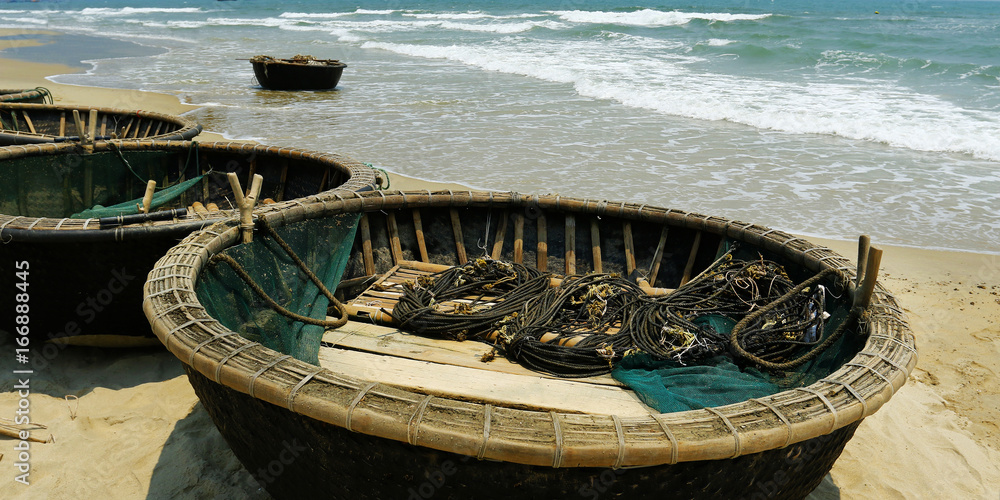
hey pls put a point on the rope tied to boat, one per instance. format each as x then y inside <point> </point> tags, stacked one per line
<point>274,305</point>
<point>749,310</point>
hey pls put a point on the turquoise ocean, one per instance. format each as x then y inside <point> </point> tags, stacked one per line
<point>821,118</point>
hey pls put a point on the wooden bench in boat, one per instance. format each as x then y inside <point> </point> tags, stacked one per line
<point>369,347</point>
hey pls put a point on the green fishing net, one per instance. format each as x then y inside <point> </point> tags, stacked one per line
<point>669,386</point>
<point>324,244</point>
<point>99,184</point>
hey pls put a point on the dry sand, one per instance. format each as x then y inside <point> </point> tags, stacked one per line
<point>126,423</point>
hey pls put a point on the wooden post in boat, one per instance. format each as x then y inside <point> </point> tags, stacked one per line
<point>394,246</point>
<point>500,236</point>
<point>62,123</point>
<point>654,267</point>
<point>863,297</point>
<point>570,238</point>
<point>147,198</point>
<point>595,243</point>
<point>629,248</point>
<point>864,244</point>
<point>518,238</point>
<point>27,120</point>
<point>92,124</point>
<point>456,229</point>
<point>689,267</point>
<point>245,203</point>
<point>78,123</point>
<point>418,227</point>
<point>542,253</point>
<point>366,245</point>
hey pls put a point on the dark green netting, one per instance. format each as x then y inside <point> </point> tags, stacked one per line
<point>61,185</point>
<point>323,244</point>
<point>669,387</point>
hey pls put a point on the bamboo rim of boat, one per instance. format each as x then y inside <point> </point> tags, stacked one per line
<point>545,438</point>
<point>360,177</point>
<point>187,128</point>
<point>8,96</point>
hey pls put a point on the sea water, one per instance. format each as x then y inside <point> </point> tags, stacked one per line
<point>822,118</point>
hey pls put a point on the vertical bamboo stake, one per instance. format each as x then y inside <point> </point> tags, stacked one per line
<point>92,126</point>
<point>654,268</point>
<point>147,198</point>
<point>864,295</point>
<point>629,248</point>
<point>595,242</point>
<point>245,203</point>
<point>689,267</point>
<point>394,245</point>
<point>518,238</point>
<point>501,234</point>
<point>570,238</point>
<point>456,229</point>
<point>864,243</point>
<point>542,254</point>
<point>281,183</point>
<point>62,124</point>
<point>418,227</point>
<point>78,123</point>
<point>366,246</point>
<point>27,120</point>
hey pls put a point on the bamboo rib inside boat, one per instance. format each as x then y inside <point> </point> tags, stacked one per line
<point>456,228</point>
<point>595,242</point>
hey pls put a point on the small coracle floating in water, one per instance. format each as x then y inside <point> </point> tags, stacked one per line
<point>91,219</point>
<point>301,72</point>
<point>40,123</point>
<point>777,347</point>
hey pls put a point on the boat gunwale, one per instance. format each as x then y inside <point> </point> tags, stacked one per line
<point>11,96</point>
<point>188,128</point>
<point>26,228</point>
<point>854,391</point>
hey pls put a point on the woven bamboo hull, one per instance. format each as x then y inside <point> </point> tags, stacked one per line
<point>86,282</point>
<point>44,123</point>
<point>281,75</point>
<point>304,429</point>
<point>294,456</point>
<point>38,95</point>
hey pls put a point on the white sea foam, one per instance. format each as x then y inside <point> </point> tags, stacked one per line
<point>870,111</point>
<point>650,17</point>
<point>129,11</point>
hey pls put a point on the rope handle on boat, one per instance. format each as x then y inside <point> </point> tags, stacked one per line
<point>739,351</point>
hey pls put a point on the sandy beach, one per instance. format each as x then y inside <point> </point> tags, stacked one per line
<point>126,423</point>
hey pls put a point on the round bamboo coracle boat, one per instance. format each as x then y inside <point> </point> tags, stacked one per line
<point>38,94</point>
<point>42,123</point>
<point>366,408</point>
<point>91,220</point>
<point>298,73</point>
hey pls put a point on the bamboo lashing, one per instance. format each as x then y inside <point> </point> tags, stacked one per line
<point>245,203</point>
